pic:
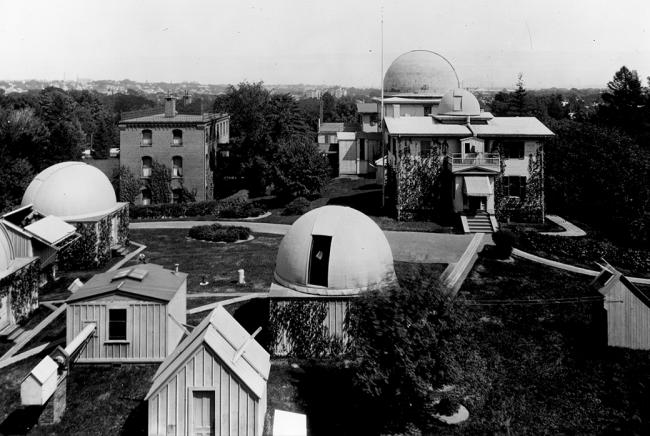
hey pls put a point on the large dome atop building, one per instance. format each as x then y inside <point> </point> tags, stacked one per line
<point>334,251</point>
<point>420,72</point>
<point>459,102</point>
<point>71,190</point>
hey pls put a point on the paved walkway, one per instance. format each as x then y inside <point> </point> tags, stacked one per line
<point>569,228</point>
<point>413,247</point>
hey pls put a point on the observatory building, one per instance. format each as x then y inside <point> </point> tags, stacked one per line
<point>81,195</point>
<point>329,255</point>
<point>428,116</point>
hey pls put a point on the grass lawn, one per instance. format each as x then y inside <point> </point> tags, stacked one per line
<point>545,369</point>
<point>218,262</point>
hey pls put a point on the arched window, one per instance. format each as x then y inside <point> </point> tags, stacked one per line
<point>177,137</point>
<point>146,166</point>
<point>146,138</point>
<point>177,166</point>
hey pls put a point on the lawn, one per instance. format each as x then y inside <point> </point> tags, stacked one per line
<point>217,262</point>
<point>545,368</point>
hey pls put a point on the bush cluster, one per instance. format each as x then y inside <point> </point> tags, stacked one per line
<point>219,233</point>
<point>586,250</point>
<point>298,206</point>
<point>235,206</point>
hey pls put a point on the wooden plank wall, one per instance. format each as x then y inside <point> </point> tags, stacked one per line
<point>237,410</point>
<point>628,320</point>
<point>146,332</point>
<point>21,244</point>
<point>336,312</point>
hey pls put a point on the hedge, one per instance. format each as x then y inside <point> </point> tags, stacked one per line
<point>219,233</point>
<point>586,250</point>
<point>233,206</point>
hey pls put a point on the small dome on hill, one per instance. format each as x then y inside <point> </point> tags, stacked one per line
<point>459,102</point>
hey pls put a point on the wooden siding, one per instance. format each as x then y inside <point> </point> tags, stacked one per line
<point>146,330</point>
<point>334,321</point>
<point>237,410</point>
<point>628,319</point>
<point>22,244</point>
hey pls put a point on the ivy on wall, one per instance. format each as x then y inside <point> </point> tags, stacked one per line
<point>298,326</point>
<point>123,223</point>
<point>23,289</point>
<point>530,209</point>
<point>417,186</point>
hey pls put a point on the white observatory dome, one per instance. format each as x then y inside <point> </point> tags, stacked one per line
<point>459,102</point>
<point>71,190</point>
<point>334,251</point>
<point>420,72</point>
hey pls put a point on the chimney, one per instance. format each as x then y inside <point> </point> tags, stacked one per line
<point>170,106</point>
<point>175,268</point>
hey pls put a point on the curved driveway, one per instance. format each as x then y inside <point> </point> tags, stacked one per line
<point>406,246</point>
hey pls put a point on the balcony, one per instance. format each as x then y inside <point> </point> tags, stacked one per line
<point>465,161</point>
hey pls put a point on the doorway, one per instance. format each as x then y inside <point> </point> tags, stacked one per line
<point>477,204</point>
<point>319,260</point>
<point>202,413</point>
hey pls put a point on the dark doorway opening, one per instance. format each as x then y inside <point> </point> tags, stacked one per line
<point>319,260</point>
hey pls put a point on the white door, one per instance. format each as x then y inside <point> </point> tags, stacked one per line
<point>4,311</point>
<point>114,230</point>
<point>202,413</point>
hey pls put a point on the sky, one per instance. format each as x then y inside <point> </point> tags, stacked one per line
<point>568,43</point>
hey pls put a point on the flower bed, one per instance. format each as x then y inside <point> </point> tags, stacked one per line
<point>219,233</point>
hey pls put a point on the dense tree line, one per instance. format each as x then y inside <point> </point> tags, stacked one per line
<point>267,131</point>
<point>597,166</point>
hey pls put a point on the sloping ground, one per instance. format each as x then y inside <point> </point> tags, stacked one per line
<point>545,368</point>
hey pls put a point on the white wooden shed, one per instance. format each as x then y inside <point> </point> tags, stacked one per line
<point>214,383</point>
<point>628,310</point>
<point>39,385</point>
<point>138,312</point>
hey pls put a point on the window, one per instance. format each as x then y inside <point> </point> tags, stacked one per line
<point>469,148</point>
<point>426,148</point>
<point>362,149</point>
<point>146,196</point>
<point>146,166</point>
<point>427,110</point>
<point>146,138</point>
<point>321,139</point>
<point>319,260</point>
<point>513,150</point>
<point>117,324</point>
<point>177,166</point>
<point>515,186</point>
<point>177,137</point>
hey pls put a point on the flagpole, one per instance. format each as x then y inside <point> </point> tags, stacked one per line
<point>381,116</point>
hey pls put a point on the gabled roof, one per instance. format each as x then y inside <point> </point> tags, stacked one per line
<point>608,277</point>
<point>224,336</point>
<point>147,281</point>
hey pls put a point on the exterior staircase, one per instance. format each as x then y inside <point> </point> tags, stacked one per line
<point>481,222</point>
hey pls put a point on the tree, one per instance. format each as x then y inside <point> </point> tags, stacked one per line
<point>160,182</point>
<point>401,348</point>
<point>299,169</point>
<point>15,176</point>
<point>126,184</point>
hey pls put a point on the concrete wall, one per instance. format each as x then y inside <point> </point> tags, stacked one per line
<point>146,330</point>
<point>237,410</point>
<point>193,151</point>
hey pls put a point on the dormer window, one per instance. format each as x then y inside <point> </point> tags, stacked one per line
<point>177,137</point>
<point>146,138</point>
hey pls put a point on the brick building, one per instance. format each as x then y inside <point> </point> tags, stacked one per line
<point>187,144</point>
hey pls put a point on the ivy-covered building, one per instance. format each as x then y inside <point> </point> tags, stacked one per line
<point>329,256</point>
<point>186,144</point>
<point>447,155</point>
<point>18,284</point>
<point>81,195</point>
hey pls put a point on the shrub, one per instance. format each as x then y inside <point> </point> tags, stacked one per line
<point>299,169</point>
<point>219,233</point>
<point>297,207</point>
<point>446,407</point>
<point>504,241</point>
<point>241,211</point>
<point>402,345</point>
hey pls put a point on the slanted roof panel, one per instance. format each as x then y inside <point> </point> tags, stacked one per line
<point>331,127</point>
<point>512,126</point>
<point>424,126</point>
<point>367,108</point>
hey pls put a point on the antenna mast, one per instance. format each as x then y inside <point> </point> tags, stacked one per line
<point>381,116</point>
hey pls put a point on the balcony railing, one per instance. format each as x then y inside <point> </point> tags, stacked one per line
<point>463,160</point>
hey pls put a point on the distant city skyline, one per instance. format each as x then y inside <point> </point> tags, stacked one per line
<point>552,43</point>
